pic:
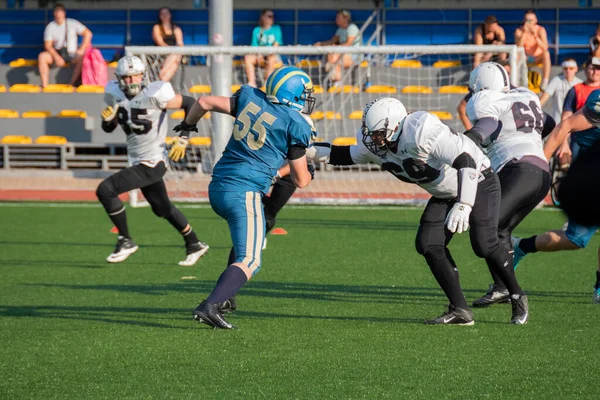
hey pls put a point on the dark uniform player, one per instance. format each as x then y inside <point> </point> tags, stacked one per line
<point>140,108</point>
<point>268,129</point>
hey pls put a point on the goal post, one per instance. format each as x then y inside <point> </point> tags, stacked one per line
<point>427,78</point>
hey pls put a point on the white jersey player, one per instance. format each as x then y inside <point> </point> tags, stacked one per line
<point>509,125</point>
<point>140,108</point>
<point>418,148</point>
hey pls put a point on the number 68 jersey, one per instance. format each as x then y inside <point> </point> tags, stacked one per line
<point>521,122</point>
<point>142,118</point>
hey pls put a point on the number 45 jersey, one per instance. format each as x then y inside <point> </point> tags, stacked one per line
<point>521,122</point>
<point>142,118</point>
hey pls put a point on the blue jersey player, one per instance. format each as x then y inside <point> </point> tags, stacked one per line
<point>268,129</point>
<point>584,129</point>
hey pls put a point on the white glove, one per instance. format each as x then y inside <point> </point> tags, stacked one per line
<point>458,218</point>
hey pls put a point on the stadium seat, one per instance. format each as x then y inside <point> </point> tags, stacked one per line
<point>200,89</point>
<point>2,88</point>
<point>9,114</point>
<point>443,115</point>
<point>22,62</point>
<point>15,139</point>
<point>344,89</point>
<point>24,88</point>
<point>319,115</point>
<point>454,89</point>
<point>59,88</point>
<point>90,89</point>
<point>318,89</point>
<point>406,64</point>
<point>364,64</point>
<point>237,63</point>
<point>200,141</point>
<point>49,139</point>
<point>447,64</point>
<point>356,114</point>
<point>179,114</point>
<point>308,63</point>
<point>344,141</point>
<point>72,114</point>
<point>170,139</point>
<point>112,64</point>
<point>36,114</point>
<point>381,89</point>
<point>235,88</point>
<point>417,89</point>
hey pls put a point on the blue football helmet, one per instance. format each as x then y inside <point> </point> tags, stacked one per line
<point>291,86</point>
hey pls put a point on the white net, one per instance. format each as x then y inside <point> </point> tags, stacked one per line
<point>430,78</point>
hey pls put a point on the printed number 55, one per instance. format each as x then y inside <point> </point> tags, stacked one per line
<point>239,133</point>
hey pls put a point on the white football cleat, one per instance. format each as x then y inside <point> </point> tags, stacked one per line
<point>124,248</point>
<point>194,253</point>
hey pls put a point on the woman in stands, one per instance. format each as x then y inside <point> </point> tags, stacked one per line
<point>166,33</point>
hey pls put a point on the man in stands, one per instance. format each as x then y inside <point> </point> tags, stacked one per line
<point>534,40</point>
<point>60,45</point>
<point>490,32</point>
<point>559,86</point>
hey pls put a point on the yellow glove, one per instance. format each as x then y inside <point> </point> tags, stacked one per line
<point>109,113</point>
<point>178,147</point>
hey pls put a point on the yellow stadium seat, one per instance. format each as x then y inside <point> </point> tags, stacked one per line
<point>48,139</point>
<point>200,89</point>
<point>344,89</point>
<point>237,63</point>
<point>332,115</point>
<point>447,64</point>
<point>2,88</point>
<point>9,114</point>
<point>170,139</point>
<point>417,89</point>
<point>318,89</point>
<point>90,89</point>
<point>406,64</point>
<point>356,114</point>
<point>59,88</point>
<point>72,114</point>
<point>364,64</point>
<point>36,114</point>
<point>278,64</point>
<point>317,115</point>
<point>235,88</point>
<point>22,62</point>
<point>344,141</point>
<point>381,89</point>
<point>112,64</point>
<point>200,141</point>
<point>454,89</point>
<point>207,115</point>
<point>179,114</point>
<point>308,63</point>
<point>15,139</point>
<point>24,88</point>
<point>443,115</point>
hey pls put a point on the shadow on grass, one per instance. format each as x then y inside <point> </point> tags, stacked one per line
<point>98,244</point>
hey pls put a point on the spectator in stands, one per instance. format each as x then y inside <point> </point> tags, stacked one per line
<point>490,32</point>
<point>595,43</point>
<point>166,33</point>
<point>60,45</point>
<point>534,40</point>
<point>559,86</point>
<point>347,34</point>
<point>268,34</point>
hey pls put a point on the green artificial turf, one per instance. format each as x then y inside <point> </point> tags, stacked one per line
<point>335,312</point>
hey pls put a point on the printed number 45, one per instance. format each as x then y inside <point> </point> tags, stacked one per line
<point>240,132</point>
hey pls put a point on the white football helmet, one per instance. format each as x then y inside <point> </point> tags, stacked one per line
<point>382,124</point>
<point>489,76</point>
<point>129,66</point>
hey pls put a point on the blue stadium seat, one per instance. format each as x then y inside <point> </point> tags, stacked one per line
<point>575,33</point>
<point>435,16</point>
<point>22,34</point>
<point>115,35</point>
<point>427,34</point>
<point>89,16</point>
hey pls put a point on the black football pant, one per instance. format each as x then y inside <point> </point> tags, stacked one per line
<point>433,238</point>
<point>150,181</point>
<point>523,186</point>
<point>282,191</point>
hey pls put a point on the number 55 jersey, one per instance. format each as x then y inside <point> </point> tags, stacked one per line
<point>142,118</point>
<point>521,122</point>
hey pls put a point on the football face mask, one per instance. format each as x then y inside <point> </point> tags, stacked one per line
<point>375,141</point>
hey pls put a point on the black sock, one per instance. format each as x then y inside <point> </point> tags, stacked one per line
<point>190,237</point>
<point>501,262</point>
<point>528,245</point>
<point>120,220</point>
<point>597,280</point>
<point>230,281</point>
<point>446,275</point>
<point>497,280</point>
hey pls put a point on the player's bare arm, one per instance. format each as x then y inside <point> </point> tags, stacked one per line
<point>299,172</point>
<point>560,134</point>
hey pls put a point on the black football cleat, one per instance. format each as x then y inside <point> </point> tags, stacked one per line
<point>228,306</point>
<point>193,253</point>
<point>454,316</point>
<point>520,309</point>
<point>208,313</point>
<point>492,296</point>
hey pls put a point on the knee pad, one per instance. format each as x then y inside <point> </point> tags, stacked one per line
<point>106,190</point>
<point>162,211</point>
<point>483,249</point>
<point>435,253</point>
